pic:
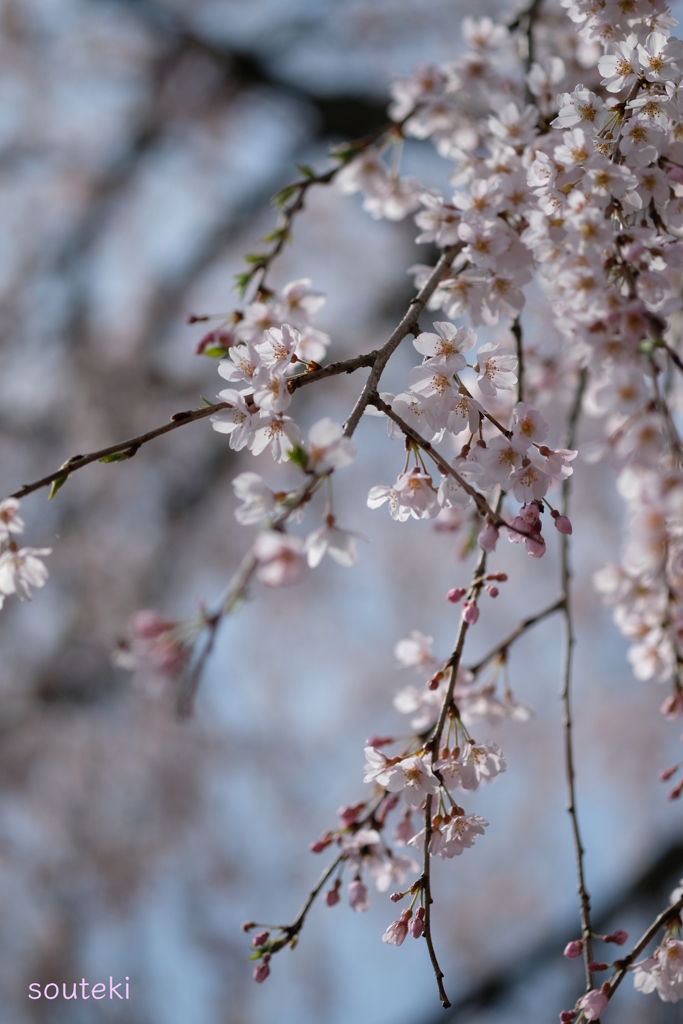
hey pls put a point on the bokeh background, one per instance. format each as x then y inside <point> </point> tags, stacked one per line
<point>140,141</point>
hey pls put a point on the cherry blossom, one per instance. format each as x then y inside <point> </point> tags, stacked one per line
<point>280,557</point>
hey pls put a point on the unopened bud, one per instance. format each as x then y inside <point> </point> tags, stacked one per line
<point>379,741</point>
<point>595,968</point>
<point>573,949</point>
<point>492,591</point>
<point>470,613</point>
<point>246,926</point>
<point>416,927</point>
<point>320,844</point>
<point>567,1016</point>
<point>332,895</point>
<point>666,773</point>
<point>676,791</point>
<point>261,972</point>
<point>455,594</point>
<point>260,938</point>
<point>433,683</point>
<point>563,525</point>
<point>396,896</point>
<point>618,938</point>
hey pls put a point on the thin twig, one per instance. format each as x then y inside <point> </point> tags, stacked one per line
<point>428,900</point>
<point>433,744</point>
<point>129,448</point>
<point>405,327</point>
<point>501,649</point>
<point>584,898</point>
<point>666,915</point>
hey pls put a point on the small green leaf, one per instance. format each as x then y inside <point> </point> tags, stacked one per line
<point>254,956</point>
<point>283,196</point>
<point>117,456</point>
<point>255,257</point>
<point>215,351</point>
<point>207,402</point>
<point>274,236</point>
<point>307,171</point>
<point>299,457</point>
<point>57,484</point>
<point>242,282</point>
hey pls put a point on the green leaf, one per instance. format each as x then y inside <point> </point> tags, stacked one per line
<point>207,402</point>
<point>283,196</point>
<point>215,351</point>
<point>117,456</point>
<point>57,485</point>
<point>255,257</point>
<point>307,171</point>
<point>242,282</point>
<point>299,457</point>
<point>274,236</point>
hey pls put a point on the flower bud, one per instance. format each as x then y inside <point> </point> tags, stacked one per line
<point>618,938</point>
<point>396,896</point>
<point>416,926</point>
<point>332,895</point>
<point>492,591</point>
<point>246,926</point>
<point>455,594</point>
<point>573,949</point>
<point>260,938</point>
<point>666,773</point>
<point>320,844</point>
<point>563,525</point>
<point>676,791</point>
<point>261,972</point>
<point>567,1016</point>
<point>488,538</point>
<point>470,612</point>
<point>595,968</point>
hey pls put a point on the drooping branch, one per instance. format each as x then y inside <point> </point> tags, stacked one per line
<point>659,922</point>
<point>579,852</point>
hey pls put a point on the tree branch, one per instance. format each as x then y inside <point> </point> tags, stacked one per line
<point>515,635</point>
<point>126,448</point>
<point>405,327</point>
<point>584,898</point>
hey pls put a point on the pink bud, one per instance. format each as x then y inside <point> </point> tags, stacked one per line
<point>347,815</point>
<point>573,949</point>
<point>488,538</point>
<point>455,594</point>
<point>396,896</point>
<point>332,895</point>
<point>470,612</point>
<point>260,938</point>
<point>261,972</point>
<point>563,525</point>
<point>246,926</point>
<point>666,773</point>
<point>595,968</point>
<point>672,707</point>
<point>321,844</point>
<point>378,741</point>
<point>492,591</point>
<point>676,791</point>
<point>417,926</point>
<point>618,938</point>
<point>567,1016</point>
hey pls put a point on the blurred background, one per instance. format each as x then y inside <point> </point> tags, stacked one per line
<point>140,142</point>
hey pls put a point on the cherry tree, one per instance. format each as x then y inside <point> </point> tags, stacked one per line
<point>562,132</point>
